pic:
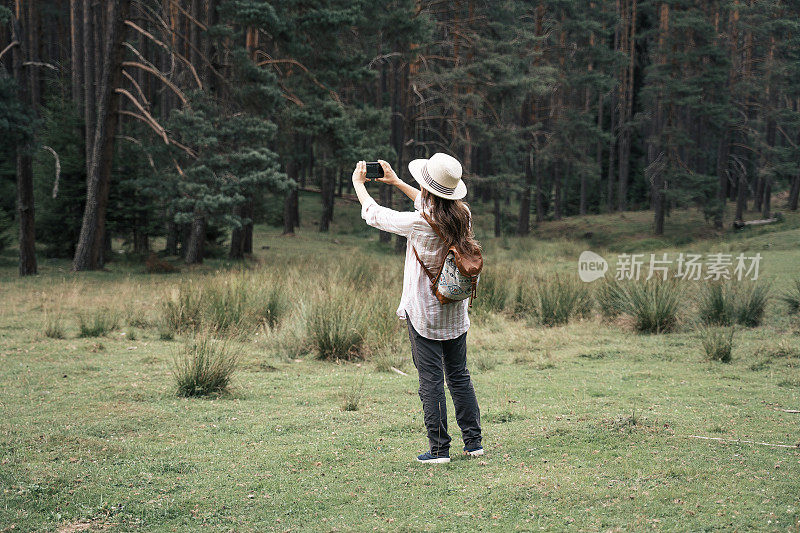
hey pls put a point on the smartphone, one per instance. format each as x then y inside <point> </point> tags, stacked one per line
<point>374,170</point>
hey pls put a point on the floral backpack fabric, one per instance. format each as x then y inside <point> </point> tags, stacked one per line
<point>457,277</point>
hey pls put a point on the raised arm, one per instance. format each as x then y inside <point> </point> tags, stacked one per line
<point>378,216</point>
<point>391,178</point>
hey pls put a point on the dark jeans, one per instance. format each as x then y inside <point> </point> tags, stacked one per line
<point>435,362</point>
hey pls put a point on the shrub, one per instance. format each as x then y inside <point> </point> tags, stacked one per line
<point>654,305</point>
<point>792,298</point>
<point>335,324</point>
<point>559,299</point>
<point>751,304</point>
<point>716,304</point>
<point>717,343</point>
<point>204,366</point>
<point>98,323</point>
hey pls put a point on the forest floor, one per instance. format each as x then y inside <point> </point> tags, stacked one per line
<point>587,426</point>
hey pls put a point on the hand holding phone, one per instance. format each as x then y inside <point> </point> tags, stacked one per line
<point>374,170</point>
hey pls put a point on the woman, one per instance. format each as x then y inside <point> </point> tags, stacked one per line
<point>438,332</point>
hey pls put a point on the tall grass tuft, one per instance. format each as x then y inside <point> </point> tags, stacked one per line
<point>653,305</point>
<point>610,297</point>
<point>97,323</point>
<point>557,300</point>
<point>751,304</point>
<point>717,304</point>
<point>493,291</point>
<point>792,298</point>
<point>230,304</point>
<point>336,324</point>
<point>352,396</point>
<point>717,343</point>
<point>724,304</point>
<point>53,327</point>
<point>204,366</point>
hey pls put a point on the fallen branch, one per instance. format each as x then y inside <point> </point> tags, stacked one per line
<point>795,411</point>
<point>58,169</point>
<point>398,371</point>
<point>739,224</point>
<point>743,441</point>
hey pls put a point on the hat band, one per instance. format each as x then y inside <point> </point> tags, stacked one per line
<point>435,185</point>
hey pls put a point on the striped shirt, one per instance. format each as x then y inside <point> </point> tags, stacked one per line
<point>429,317</point>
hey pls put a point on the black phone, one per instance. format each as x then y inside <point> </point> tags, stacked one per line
<point>374,171</point>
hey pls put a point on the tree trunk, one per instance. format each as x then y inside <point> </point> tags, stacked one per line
<point>723,154</point>
<point>197,240</point>
<point>498,222</point>
<point>741,198</point>
<point>524,221</point>
<point>172,235</point>
<point>794,193</point>
<point>90,243</point>
<point>290,202</point>
<point>540,210</point>
<point>76,49</point>
<point>237,235</point>
<point>25,201</point>
<point>248,228</point>
<point>557,179</point>
<point>327,189</point>
<point>89,80</point>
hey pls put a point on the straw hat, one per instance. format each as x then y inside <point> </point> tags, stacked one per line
<point>440,175</point>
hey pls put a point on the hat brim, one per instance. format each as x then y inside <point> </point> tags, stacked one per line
<point>416,166</point>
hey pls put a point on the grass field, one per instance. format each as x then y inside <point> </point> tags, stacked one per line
<point>588,426</point>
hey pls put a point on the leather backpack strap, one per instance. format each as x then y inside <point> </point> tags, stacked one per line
<point>427,272</point>
<point>434,227</point>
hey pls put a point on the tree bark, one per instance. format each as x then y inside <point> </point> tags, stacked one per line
<point>172,234</point>
<point>90,103</point>
<point>90,244</point>
<point>290,202</point>
<point>237,235</point>
<point>76,51</point>
<point>524,220</point>
<point>25,200</point>
<point>794,193</point>
<point>195,247</point>
<point>327,190</point>
<point>498,214</point>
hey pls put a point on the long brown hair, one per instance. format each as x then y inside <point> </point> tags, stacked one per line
<point>453,220</point>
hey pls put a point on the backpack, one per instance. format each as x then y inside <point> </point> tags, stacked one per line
<point>457,277</point>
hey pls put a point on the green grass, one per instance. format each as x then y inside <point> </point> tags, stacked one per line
<point>586,425</point>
